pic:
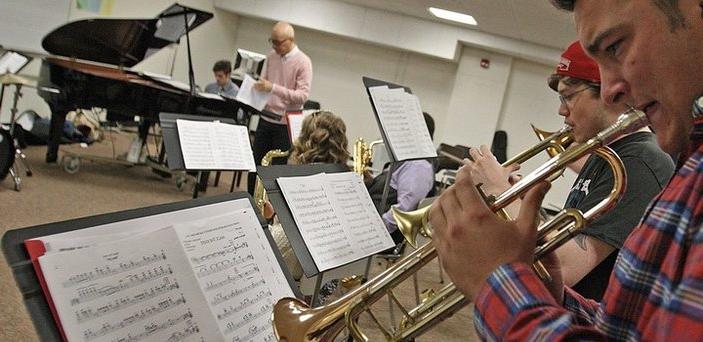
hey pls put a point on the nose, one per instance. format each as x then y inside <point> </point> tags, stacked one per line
<point>614,89</point>
<point>563,110</point>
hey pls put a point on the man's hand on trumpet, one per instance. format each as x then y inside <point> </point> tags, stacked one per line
<point>472,241</point>
<point>485,170</point>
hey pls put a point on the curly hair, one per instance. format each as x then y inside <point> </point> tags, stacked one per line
<point>323,139</point>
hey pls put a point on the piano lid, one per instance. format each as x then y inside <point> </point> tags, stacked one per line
<point>123,42</point>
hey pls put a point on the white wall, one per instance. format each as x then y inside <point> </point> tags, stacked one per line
<point>527,101</point>
<point>339,63</point>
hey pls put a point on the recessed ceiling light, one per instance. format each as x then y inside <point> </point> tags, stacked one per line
<point>453,16</point>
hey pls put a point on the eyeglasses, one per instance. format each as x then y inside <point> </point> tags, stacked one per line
<point>277,42</point>
<point>565,99</point>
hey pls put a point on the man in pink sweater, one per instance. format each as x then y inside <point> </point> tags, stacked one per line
<point>287,75</point>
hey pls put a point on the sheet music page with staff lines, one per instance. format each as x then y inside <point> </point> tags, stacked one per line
<point>402,121</point>
<point>137,289</point>
<point>240,278</point>
<point>215,146</point>
<point>333,216</point>
<point>359,213</point>
<point>210,278</point>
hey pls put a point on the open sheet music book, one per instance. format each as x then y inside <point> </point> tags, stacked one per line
<point>336,217</point>
<point>212,145</point>
<point>200,274</point>
<point>402,122</point>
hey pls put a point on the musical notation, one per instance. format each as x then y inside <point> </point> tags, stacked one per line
<point>219,266</point>
<point>210,285</point>
<point>107,270</point>
<point>153,328</point>
<point>88,293</point>
<point>233,326</point>
<point>188,281</point>
<point>402,122</point>
<point>231,272</point>
<point>254,331</point>
<point>189,330</point>
<point>244,304</point>
<point>221,298</point>
<point>89,313</point>
<point>134,318</point>
<point>333,229</point>
<point>215,146</point>
<point>228,250</point>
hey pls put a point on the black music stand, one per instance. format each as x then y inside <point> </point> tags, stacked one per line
<point>268,175</point>
<point>22,269</point>
<point>172,145</point>
<point>369,83</point>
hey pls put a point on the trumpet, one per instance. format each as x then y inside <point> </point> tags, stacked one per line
<point>551,142</point>
<point>293,320</point>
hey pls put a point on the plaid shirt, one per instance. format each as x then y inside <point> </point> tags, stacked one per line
<point>655,290</point>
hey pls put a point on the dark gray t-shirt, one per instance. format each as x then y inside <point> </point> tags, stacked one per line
<point>648,170</point>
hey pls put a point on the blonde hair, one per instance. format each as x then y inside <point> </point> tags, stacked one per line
<point>322,139</point>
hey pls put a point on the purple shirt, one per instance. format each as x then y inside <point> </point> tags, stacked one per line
<point>291,75</point>
<point>412,180</point>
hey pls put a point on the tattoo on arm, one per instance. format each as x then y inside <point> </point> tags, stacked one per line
<point>581,241</point>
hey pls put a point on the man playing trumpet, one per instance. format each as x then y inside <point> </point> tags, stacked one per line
<point>587,260</point>
<point>648,52</point>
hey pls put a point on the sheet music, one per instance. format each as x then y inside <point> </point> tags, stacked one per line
<point>295,125</point>
<point>402,121</point>
<point>215,146</point>
<point>295,122</point>
<point>247,94</point>
<point>129,290</point>
<point>11,62</point>
<point>211,96</point>
<point>350,197</point>
<point>213,278</point>
<point>237,272</point>
<point>336,217</point>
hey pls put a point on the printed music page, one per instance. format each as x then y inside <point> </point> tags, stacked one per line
<point>211,275</point>
<point>336,217</point>
<point>250,96</point>
<point>140,288</point>
<point>402,122</point>
<point>237,272</point>
<point>209,145</point>
<point>295,123</point>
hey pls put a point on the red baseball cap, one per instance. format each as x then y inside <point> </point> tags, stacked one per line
<point>575,63</point>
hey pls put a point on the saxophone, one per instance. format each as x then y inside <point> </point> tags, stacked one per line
<point>363,155</point>
<point>260,197</point>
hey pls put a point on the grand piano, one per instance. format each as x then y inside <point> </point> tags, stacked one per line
<point>107,48</point>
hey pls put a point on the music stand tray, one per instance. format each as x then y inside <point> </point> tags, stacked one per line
<point>22,269</point>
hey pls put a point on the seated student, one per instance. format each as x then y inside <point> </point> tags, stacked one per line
<point>411,181</point>
<point>322,139</point>
<point>223,85</point>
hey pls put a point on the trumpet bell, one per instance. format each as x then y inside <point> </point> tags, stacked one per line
<point>559,142</point>
<point>412,223</point>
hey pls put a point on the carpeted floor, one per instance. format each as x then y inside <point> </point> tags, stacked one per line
<point>52,194</point>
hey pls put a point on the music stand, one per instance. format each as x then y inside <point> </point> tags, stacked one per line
<point>172,144</point>
<point>268,175</point>
<point>22,269</point>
